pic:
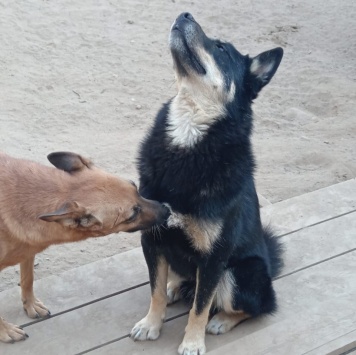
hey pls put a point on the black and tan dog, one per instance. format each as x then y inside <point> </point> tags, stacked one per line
<point>198,158</point>
<point>79,199</point>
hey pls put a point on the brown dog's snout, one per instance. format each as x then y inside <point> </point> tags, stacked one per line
<point>165,213</point>
<point>154,213</point>
<point>158,212</point>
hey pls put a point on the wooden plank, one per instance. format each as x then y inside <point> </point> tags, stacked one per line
<point>296,335</point>
<point>263,202</point>
<point>340,345</point>
<point>80,285</point>
<point>311,315</point>
<point>320,242</point>
<point>88,326</point>
<point>314,207</point>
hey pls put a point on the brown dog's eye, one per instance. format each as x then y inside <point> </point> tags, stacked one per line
<point>136,210</point>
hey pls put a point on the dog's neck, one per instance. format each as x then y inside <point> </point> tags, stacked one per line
<point>190,116</point>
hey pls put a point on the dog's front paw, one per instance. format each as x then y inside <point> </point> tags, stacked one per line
<point>9,333</point>
<point>145,330</point>
<point>35,308</point>
<point>192,347</point>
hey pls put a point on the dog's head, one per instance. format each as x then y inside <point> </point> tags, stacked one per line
<point>215,69</point>
<point>98,203</point>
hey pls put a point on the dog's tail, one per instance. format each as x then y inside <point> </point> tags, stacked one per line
<point>275,251</point>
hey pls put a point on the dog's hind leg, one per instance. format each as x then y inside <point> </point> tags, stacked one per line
<point>246,292</point>
<point>227,317</point>
<point>32,306</point>
<point>173,287</point>
<point>149,327</point>
<point>222,322</point>
<point>9,333</point>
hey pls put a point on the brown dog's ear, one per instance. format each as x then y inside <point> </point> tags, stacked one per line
<point>72,215</point>
<point>68,161</point>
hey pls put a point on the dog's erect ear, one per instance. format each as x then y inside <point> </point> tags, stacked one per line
<point>263,67</point>
<point>72,215</point>
<point>68,161</point>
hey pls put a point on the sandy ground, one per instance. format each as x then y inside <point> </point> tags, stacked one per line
<point>89,75</point>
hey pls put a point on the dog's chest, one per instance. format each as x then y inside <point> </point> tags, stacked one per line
<point>202,234</point>
<point>188,121</point>
<point>183,131</point>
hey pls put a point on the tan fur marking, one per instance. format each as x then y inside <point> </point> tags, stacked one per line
<point>200,101</point>
<point>149,327</point>
<point>224,293</point>
<point>173,285</point>
<point>194,337</point>
<point>203,234</point>
<point>255,66</point>
<point>159,295</point>
<point>259,70</point>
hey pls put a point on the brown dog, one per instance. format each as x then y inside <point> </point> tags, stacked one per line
<point>81,199</point>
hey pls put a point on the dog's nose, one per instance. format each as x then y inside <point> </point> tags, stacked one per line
<point>188,16</point>
<point>185,16</point>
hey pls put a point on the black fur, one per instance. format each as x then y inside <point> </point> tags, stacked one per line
<point>213,180</point>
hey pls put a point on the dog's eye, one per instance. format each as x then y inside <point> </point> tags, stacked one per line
<point>136,210</point>
<point>221,47</point>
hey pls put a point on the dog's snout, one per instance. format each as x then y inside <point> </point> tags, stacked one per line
<point>166,212</point>
<point>162,213</point>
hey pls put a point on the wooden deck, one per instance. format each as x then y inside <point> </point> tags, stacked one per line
<point>95,306</point>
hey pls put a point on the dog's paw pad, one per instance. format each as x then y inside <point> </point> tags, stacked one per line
<point>192,348</point>
<point>145,330</point>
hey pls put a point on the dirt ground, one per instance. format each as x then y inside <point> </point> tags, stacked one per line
<point>88,76</point>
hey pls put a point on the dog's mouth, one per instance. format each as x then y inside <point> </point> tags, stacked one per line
<point>186,38</point>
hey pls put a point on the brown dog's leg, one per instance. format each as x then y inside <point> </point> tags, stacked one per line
<point>32,306</point>
<point>150,326</point>
<point>9,333</point>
